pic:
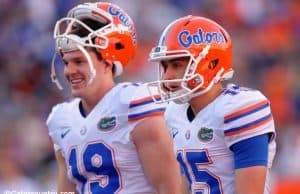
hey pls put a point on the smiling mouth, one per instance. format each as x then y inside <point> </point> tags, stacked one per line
<point>76,82</point>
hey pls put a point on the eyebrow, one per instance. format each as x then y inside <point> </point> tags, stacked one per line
<point>177,59</point>
<point>180,60</point>
<point>73,58</point>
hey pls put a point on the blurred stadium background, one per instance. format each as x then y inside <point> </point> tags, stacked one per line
<point>266,38</point>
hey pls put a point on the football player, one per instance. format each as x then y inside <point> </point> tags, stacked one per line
<point>111,138</point>
<point>223,136</point>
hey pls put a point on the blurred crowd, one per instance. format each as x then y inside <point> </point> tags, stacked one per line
<point>266,40</point>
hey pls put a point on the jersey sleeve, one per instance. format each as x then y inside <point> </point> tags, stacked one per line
<point>142,105</point>
<point>54,124</point>
<point>247,114</point>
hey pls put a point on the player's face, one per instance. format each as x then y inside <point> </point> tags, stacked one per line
<point>77,71</point>
<point>171,70</point>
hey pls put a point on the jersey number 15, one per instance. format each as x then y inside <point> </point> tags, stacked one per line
<point>202,179</point>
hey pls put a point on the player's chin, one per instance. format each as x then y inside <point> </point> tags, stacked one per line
<point>77,91</point>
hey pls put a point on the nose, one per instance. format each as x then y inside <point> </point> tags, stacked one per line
<point>169,73</point>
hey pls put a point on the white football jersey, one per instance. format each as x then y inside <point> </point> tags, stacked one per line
<point>203,145</point>
<point>98,149</point>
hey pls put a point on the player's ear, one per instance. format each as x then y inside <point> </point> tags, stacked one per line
<point>109,67</point>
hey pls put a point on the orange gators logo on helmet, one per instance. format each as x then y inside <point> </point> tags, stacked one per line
<point>124,19</point>
<point>122,36</point>
<point>120,18</point>
<point>186,38</point>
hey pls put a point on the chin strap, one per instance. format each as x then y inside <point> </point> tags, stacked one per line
<point>53,74</point>
<point>71,43</point>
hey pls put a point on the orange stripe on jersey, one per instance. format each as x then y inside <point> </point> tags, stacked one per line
<point>143,101</point>
<point>241,130</point>
<point>247,109</point>
<point>146,115</point>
